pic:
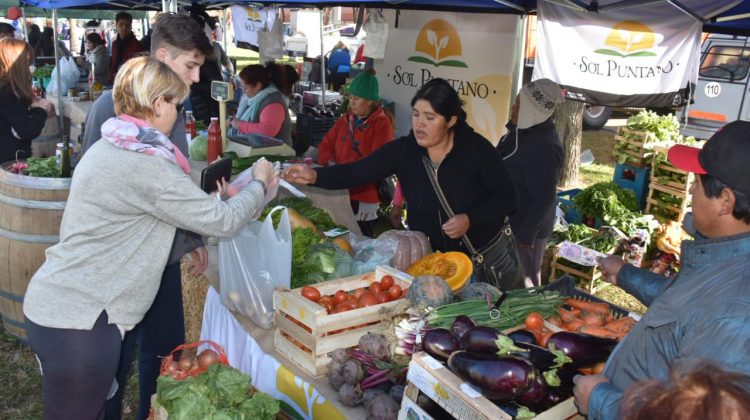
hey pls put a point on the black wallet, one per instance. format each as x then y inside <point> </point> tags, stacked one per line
<point>214,172</point>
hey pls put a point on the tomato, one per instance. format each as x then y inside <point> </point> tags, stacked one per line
<point>357,293</point>
<point>311,293</point>
<point>394,292</point>
<point>368,299</point>
<point>383,297</point>
<point>325,300</point>
<point>340,308</point>
<point>404,291</point>
<point>340,296</point>
<point>386,282</point>
<point>375,287</point>
<point>534,321</point>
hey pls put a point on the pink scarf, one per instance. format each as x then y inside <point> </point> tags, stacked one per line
<point>130,133</point>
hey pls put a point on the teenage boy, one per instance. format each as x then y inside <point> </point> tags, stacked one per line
<point>125,46</point>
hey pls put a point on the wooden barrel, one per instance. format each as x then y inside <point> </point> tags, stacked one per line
<point>31,210</point>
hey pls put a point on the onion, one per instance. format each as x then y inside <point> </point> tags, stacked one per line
<point>186,363</point>
<point>207,358</point>
<point>171,368</point>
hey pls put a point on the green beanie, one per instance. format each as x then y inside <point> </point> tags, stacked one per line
<point>365,85</point>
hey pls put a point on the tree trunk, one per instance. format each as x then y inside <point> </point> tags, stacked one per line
<point>75,36</point>
<point>569,123</point>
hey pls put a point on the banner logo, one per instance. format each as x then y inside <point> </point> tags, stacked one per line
<point>252,14</point>
<point>629,39</point>
<point>438,44</point>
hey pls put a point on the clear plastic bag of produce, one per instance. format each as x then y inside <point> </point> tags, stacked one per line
<point>369,253</point>
<point>253,263</point>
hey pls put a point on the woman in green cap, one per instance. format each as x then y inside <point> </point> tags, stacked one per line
<point>355,135</point>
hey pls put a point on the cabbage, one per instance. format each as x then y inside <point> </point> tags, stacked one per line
<point>198,149</point>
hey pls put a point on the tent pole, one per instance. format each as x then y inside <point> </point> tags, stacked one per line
<point>23,23</point>
<point>322,63</point>
<point>519,61</point>
<point>224,30</point>
<point>65,158</point>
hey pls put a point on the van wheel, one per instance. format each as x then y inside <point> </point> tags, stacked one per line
<point>595,116</point>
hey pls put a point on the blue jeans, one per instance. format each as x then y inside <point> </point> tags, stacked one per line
<point>160,331</point>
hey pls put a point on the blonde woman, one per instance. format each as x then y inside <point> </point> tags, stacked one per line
<point>22,116</point>
<point>128,195</point>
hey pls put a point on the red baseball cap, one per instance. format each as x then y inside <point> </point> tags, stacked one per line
<point>724,156</point>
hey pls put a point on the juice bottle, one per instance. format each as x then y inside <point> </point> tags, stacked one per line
<point>214,140</point>
<point>36,89</point>
<point>190,124</point>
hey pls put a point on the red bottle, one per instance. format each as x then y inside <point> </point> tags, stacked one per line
<point>190,124</point>
<point>214,140</point>
<point>36,89</point>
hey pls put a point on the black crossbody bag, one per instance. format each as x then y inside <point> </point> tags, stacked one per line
<point>497,263</point>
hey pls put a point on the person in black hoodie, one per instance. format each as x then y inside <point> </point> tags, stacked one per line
<point>470,172</point>
<point>533,153</point>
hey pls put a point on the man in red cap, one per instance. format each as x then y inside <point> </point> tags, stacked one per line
<point>704,312</point>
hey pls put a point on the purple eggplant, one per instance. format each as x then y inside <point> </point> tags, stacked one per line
<point>439,343</point>
<point>535,393</point>
<point>498,378</point>
<point>461,324</point>
<point>523,336</point>
<point>584,349</point>
<point>482,339</point>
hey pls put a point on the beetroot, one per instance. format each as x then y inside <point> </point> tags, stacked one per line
<point>375,344</point>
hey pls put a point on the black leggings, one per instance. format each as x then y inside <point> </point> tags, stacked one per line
<point>78,367</point>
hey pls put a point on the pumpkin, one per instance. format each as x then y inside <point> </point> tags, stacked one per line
<point>453,267</point>
<point>410,246</point>
<point>479,290</point>
<point>430,291</point>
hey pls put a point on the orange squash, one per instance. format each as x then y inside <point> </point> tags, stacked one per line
<point>342,243</point>
<point>453,267</point>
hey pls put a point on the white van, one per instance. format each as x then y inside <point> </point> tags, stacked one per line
<point>721,94</point>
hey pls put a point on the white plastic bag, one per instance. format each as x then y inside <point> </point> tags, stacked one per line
<point>68,77</point>
<point>271,42</point>
<point>376,28</point>
<point>252,264</point>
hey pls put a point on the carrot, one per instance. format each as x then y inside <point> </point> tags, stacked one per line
<point>555,320</point>
<point>565,315</point>
<point>544,338</point>
<point>593,319</point>
<point>598,331</point>
<point>601,308</point>
<point>573,325</point>
<point>586,371</point>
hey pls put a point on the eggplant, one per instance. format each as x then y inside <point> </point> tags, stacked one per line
<point>482,339</point>
<point>535,393</point>
<point>498,378</point>
<point>439,343</point>
<point>542,358</point>
<point>523,336</point>
<point>461,324</point>
<point>584,349</point>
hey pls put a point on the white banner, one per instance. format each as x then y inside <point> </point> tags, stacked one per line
<point>247,21</point>
<point>625,57</point>
<point>424,45</point>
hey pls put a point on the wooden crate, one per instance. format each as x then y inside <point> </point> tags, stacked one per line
<point>305,333</point>
<point>459,399</point>
<point>678,210</point>
<point>561,265</point>
<point>661,167</point>
<point>633,143</point>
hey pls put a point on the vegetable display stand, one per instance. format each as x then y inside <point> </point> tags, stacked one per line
<point>305,332</point>
<point>31,210</point>
<point>459,399</point>
<point>635,179</point>
<point>667,203</point>
<point>566,285</point>
<point>668,175</point>
<point>565,201</point>
<point>588,275</point>
<point>630,147</point>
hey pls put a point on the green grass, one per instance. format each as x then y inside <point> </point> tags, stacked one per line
<point>601,143</point>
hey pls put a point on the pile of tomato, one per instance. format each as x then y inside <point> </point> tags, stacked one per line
<point>378,292</point>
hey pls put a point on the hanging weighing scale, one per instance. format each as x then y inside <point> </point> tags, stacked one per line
<point>244,144</point>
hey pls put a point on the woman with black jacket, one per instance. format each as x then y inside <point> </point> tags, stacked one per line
<point>469,170</point>
<point>22,116</point>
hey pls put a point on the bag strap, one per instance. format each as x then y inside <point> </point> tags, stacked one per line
<point>432,175</point>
